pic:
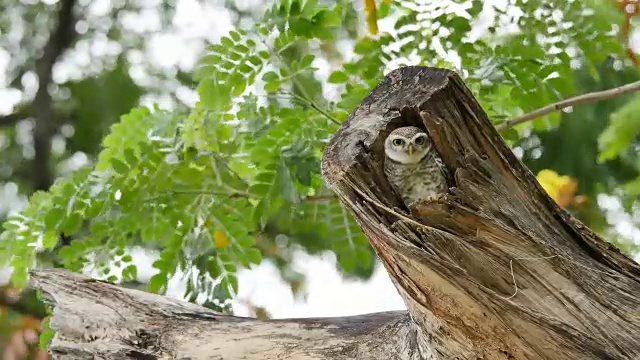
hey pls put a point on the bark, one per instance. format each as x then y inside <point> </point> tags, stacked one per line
<point>95,319</point>
<point>494,270</point>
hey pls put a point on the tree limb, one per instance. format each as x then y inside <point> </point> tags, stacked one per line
<point>95,319</point>
<point>576,100</point>
<point>20,113</point>
<point>60,39</point>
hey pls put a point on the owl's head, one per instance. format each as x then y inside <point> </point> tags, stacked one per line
<point>407,145</point>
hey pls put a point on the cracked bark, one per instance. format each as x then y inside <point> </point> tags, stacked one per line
<point>496,270</point>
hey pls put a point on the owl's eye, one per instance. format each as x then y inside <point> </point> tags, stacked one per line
<point>397,142</point>
<point>419,140</point>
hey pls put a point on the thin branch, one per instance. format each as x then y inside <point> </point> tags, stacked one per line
<point>305,98</point>
<point>577,100</point>
<point>323,197</point>
<point>230,193</point>
<point>313,105</point>
<point>11,119</point>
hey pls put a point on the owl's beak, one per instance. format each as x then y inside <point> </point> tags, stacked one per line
<point>411,150</point>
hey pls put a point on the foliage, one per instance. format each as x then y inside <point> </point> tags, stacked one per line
<point>579,145</point>
<point>219,186</point>
<point>621,132</point>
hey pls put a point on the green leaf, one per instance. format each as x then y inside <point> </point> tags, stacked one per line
<point>213,268</point>
<point>260,189</point>
<point>338,77</point>
<point>47,334</point>
<point>366,45</point>
<point>632,188</point>
<point>347,261</point>
<point>130,157</point>
<point>306,60</point>
<point>232,281</point>
<point>50,239</point>
<point>302,27</point>
<point>130,273</point>
<point>459,24</point>
<point>72,223</point>
<point>254,255</point>
<point>272,87</point>
<point>20,274</point>
<point>119,166</point>
<point>363,256</point>
<point>623,128</point>
<point>235,36</point>
<point>53,219</point>
<point>158,283</point>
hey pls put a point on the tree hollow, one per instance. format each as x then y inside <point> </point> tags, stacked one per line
<point>496,270</point>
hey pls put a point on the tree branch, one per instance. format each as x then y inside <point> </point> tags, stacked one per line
<point>576,100</point>
<point>95,319</point>
<point>11,119</point>
<point>60,39</point>
<point>320,197</point>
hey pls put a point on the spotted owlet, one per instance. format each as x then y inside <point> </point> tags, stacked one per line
<point>412,166</point>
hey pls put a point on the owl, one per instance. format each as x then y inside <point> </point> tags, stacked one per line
<point>413,167</point>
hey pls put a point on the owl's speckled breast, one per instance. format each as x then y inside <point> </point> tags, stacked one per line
<point>416,181</point>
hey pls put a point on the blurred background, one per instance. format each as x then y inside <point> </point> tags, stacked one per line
<point>69,69</point>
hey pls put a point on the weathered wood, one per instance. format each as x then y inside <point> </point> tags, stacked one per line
<point>98,320</point>
<point>496,270</point>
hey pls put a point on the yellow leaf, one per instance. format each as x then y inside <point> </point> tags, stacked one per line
<point>561,188</point>
<point>372,16</point>
<point>220,240</point>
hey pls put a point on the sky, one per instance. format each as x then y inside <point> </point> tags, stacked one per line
<point>327,294</point>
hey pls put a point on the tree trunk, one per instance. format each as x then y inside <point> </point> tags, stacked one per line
<point>495,270</point>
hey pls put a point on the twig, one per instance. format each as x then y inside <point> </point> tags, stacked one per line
<point>322,197</point>
<point>11,119</point>
<point>322,112</point>
<point>577,100</point>
<point>230,193</point>
<point>305,96</point>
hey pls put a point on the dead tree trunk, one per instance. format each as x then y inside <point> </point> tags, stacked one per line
<point>494,271</point>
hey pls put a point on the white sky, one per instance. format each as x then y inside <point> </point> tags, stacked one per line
<point>327,293</point>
